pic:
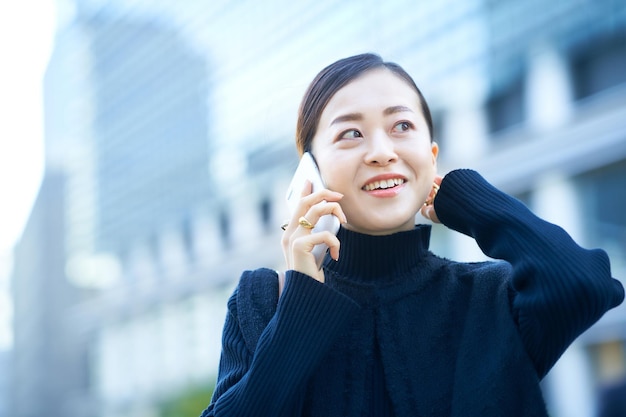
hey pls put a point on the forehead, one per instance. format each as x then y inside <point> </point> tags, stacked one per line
<point>376,89</point>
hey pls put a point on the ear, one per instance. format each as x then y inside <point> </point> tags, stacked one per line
<point>434,148</point>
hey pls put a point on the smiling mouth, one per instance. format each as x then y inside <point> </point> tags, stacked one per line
<point>384,184</point>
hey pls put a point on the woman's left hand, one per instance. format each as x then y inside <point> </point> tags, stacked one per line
<point>428,209</point>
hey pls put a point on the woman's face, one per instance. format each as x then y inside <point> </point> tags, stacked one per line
<point>372,145</point>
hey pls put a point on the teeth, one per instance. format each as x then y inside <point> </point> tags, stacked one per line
<point>383,184</point>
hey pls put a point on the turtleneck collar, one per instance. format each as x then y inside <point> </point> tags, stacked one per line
<point>366,258</point>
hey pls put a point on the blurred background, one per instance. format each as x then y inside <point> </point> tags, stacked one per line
<point>145,158</point>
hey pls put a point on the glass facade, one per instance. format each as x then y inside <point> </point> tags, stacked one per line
<point>150,129</point>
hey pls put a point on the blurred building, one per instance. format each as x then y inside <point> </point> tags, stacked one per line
<point>126,116</point>
<point>173,123</point>
<point>126,128</point>
<point>48,366</point>
<point>5,380</point>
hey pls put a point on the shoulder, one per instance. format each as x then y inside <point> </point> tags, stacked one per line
<point>254,302</point>
<point>258,286</point>
<point>486,277</point>
<point>491,269</point>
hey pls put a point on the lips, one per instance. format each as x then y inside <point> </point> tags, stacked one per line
<point>383,184</point>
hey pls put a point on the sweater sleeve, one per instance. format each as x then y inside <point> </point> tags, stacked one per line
<point>268,381</point>
<point>560,288</point>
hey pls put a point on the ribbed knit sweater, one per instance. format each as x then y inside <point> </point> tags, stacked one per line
<point>398,331</point>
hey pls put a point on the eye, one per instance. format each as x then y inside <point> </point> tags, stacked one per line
<point>402,127</point>
<point>351,134</point>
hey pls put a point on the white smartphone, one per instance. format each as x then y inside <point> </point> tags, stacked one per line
<point>307,170</point>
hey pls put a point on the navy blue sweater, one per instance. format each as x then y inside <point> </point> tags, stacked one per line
<point>398,331</point>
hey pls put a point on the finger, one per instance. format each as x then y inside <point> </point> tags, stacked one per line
<point>333,249</point>
<point>430,200</point>
<point>313,215</point>
<point>323,208</point>
<point>302,257</point>
<point>327,194</point>
<point>308,201</point>
<point>305,244</point>
<point>428,211</point>
<point>296,230</point>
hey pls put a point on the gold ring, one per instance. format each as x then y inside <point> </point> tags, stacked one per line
<point>302,221</point>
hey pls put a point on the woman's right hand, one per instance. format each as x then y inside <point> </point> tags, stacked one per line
<point>298,241</point>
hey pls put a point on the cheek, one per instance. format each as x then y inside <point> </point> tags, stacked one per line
<point>336,171</point>
<point>420,159</point>
<point>335,178</point>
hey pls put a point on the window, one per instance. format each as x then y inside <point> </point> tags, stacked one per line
<point>265,209</point>
<point>601,66</point>
<point>188,237</point>
<point>224,227</point>
<point>605,199</point>
<point>506,107</point>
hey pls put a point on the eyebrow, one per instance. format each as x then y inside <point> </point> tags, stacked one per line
<point>396,109</point>
<point>351,117</point>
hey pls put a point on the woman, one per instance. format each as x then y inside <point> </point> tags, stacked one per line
<point>386,328</point>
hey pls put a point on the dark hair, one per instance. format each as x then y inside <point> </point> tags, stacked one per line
<point>334,77</point>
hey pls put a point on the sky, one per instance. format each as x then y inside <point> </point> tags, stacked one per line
<point>26,40</point>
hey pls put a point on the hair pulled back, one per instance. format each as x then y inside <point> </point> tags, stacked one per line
<point>330,80</point>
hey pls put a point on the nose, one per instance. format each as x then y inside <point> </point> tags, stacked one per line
<point>381,150</point>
